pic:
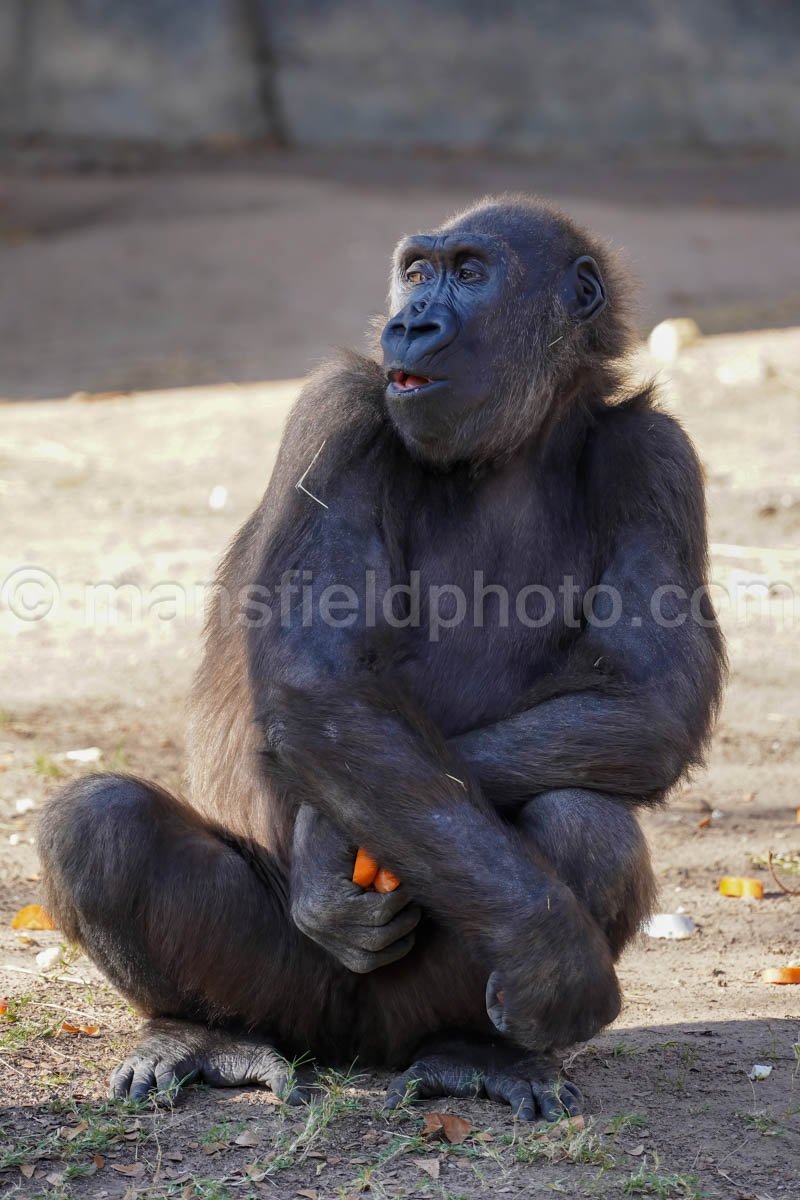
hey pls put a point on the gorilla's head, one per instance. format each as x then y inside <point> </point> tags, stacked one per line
<point>502,317</point>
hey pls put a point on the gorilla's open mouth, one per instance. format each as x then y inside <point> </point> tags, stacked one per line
<point>404,382</point>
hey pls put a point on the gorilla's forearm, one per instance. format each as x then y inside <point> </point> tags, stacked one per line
<point>589,740</point>
<point>392,784</point>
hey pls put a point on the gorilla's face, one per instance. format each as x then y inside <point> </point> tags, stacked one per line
<point>477,307</point>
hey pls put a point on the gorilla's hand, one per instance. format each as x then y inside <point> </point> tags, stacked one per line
<point>363,930</point>
<point>562,990</point>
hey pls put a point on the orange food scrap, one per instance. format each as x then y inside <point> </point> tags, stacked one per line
<point>385,881</point>
<point>32,916</point>
<point>365,869</point>
<point>734,885</point>
<point>3,1006</point>
<point>86,1030</point>
<point>445,1125</point>
<point>781,975</point>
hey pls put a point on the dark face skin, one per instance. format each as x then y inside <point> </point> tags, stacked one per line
<point>475,312</point>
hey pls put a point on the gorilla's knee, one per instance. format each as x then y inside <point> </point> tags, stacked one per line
<point>90,832</point>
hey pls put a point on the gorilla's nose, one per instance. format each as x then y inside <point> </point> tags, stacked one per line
<point>418,332</point>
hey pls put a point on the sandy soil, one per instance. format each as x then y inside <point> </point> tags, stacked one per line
<point>118,492</point>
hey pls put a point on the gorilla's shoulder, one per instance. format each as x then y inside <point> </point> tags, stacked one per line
<point>337,418</point>
<point>346,392</point>
<point>642,453</point>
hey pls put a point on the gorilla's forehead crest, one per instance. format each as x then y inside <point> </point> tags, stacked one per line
<point>516,220</point>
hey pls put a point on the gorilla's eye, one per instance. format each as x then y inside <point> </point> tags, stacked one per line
<point>468,274</point>
<point>415,274</point>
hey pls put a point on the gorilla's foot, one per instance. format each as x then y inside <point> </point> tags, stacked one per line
<point>175,1053</point>
<point>530,1083</point>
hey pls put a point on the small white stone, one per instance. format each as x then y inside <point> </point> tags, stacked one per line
<point>47,959</point>
<point>743,369</point>
<point>759,1071</point>
<point>218,497</point>
<point>670,337</point>
<point>672,926</point>
<point>88,755</point>
<point>14,839</point>
<point>25,805</point>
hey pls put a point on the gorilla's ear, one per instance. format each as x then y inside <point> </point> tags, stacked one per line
<point>583,290</point>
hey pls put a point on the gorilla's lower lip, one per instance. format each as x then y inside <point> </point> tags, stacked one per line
<point>402,382</point>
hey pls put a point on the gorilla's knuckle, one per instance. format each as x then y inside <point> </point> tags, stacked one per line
<point>307,918</point>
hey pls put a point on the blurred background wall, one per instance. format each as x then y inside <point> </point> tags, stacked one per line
<point>530,76</point>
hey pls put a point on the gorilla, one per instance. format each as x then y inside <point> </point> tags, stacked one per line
<point>467,629</point>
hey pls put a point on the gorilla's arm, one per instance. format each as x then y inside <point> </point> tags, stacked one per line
<point>632,708</point>
<point>356,750</point>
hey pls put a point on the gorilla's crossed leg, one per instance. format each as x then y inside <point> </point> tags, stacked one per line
<point>201,932</point>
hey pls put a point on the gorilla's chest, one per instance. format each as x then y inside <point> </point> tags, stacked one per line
<point>492,590</point>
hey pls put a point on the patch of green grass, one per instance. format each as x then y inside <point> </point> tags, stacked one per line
<point>331,1102</point>
<point>93,1129</point>
<point>43,764</point>
<point>762,1122</point>
<point>203,1189</point>
<point>663,1187</point>
<point>119,760</point>
<point>624,1122</point>
<point>561,1142</point>
<point>622,1050</point>
<point>222,1134</point>
<point>21,1025</point>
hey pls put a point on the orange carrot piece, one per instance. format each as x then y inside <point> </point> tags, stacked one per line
<point>32,916</point>
<point>365,869</point>
<point>734,885</point>
<point>386,881</point>
<point>781,975</point>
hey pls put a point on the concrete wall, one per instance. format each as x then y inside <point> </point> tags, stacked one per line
<point>511,75</point>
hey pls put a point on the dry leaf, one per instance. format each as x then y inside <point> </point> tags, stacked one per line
<point>429,1165</point>
<point>67,1027</point>
<point>705,823</point>
<point>562,1128</point>
<point>56,1178</point>
<point>133,1170</point>
<point>255,1173</point>
<point>446,1125</point>
<point>309,1193</point>
<point>635,1150</point>
<point>70,1132</point>
<point>174,1156</point>
<point>32,916</point>
<point>26,1170</point>
<point>99,1161</point>
<point>246,1138</point>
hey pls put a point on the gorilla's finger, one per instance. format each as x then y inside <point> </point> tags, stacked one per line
<point>495,1002</point>
<point>361,962</point>
<point>552,1104</point>
<point>377,909</point>
<point>144,1080</point>
<point>377,938</point>
<point>121,1080</point>
<point>413,1084</point>
<point>515,1092</point>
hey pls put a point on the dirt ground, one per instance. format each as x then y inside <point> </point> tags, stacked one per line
<point>110,540</point>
